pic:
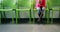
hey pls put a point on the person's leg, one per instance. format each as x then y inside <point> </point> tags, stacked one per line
<point>42,13</point>
<point>39,14</point>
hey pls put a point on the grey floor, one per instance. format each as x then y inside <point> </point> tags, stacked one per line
<point>29,28</point>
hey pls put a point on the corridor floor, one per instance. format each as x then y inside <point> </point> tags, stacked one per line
<point>29,28</point>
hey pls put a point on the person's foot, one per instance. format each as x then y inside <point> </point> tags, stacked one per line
<point>38,21</point>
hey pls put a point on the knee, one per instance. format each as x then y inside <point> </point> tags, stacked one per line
<point>39,14</point>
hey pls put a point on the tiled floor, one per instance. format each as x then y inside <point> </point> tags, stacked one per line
<point>29,28</point>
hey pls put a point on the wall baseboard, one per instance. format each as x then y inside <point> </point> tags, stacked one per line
<point>26,20</point>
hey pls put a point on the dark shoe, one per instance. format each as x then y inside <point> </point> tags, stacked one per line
<point>39,22</point>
